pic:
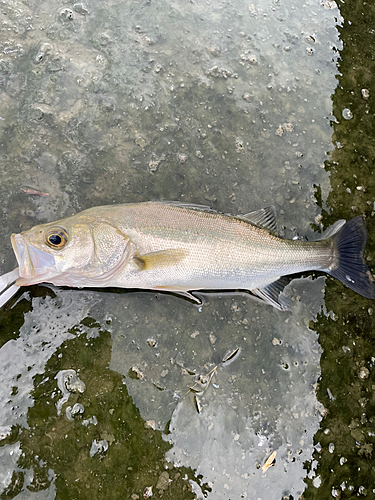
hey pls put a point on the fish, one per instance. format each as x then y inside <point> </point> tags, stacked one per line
<point>182,248</point>
<point>32,191</point>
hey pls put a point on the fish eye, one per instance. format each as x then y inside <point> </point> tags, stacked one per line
<point>56,238</point>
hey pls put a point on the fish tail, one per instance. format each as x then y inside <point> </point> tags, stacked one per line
<point>351,269</point>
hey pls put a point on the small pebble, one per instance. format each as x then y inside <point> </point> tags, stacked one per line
<point>347,114</point>
<point>212,338</point>
<point>147,492</point>
<point>364,373</point>
<point>150,424</point>
<point>163,481</point>
<point>182,158</point>
<point>253,59</point>
<point>98,447</point>
<point>136,372</point>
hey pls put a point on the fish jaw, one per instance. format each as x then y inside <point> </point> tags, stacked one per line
<point>35,266</point>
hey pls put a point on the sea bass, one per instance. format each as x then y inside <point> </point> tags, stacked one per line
<point>180,248</point>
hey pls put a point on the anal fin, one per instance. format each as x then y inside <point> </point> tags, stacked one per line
<point>272,294</point>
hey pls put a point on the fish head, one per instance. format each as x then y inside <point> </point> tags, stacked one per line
<point>76,251</point>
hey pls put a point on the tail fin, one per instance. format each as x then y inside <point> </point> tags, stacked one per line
<point>352,270</point>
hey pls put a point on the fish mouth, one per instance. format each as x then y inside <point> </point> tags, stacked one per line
<point>34,265</point>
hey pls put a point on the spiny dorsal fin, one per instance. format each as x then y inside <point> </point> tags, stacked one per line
<point>188,205</point>
<point>162,258</point>
<point>265,217</point>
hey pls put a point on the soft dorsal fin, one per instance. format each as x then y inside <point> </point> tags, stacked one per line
<point>265,217</point>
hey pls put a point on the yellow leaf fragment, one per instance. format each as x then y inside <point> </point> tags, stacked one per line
<point>269,461</point>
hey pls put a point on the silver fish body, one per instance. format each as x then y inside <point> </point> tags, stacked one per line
<point>180,248</point>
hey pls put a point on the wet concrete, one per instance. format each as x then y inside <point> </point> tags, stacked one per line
<point>217,103</point>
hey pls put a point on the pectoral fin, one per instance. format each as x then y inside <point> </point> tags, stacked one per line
<point>157,260</point>
<point>272,294</point>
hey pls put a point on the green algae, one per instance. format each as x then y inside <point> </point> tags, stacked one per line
<point>347,337</point>
<point>58,449</point>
